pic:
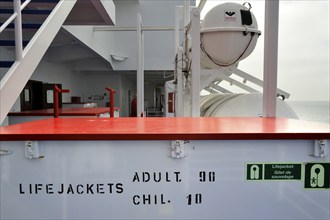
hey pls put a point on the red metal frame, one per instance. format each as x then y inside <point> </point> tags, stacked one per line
<point>63,112</point>
<point>171,102</point>
<point>112,101</point>
<point>165,129</point>
<point>56,102</point>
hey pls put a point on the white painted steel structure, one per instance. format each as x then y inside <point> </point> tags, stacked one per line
<point>178,75</point>
<point>195,62</point>
<point>113,180</point>
<point>17,18</point>
<point>270,58</point>
<point>187,62</point>
<point>140,68</point>
<point>17,76</point>
<point>18,29</point>
<point>230,74</point>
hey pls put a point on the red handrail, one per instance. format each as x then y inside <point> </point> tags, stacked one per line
<point>56,102</point>
<point>112,101</point>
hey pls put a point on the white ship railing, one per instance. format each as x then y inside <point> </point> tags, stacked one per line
<point>17,16</point>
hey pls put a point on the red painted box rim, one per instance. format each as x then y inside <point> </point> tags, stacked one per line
<point>165,129</point>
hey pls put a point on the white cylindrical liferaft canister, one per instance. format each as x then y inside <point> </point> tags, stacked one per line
<point>229,33</point>
<point>240,105</point>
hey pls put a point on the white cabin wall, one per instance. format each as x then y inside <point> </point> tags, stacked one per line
<point>127,84</point>
<point>94,85</point>
<point>148,95</point>
<point>102,42</point>
<point>60,73</point>
<point>159,45</point>
<point>56,73</point>
<point>159,55</point>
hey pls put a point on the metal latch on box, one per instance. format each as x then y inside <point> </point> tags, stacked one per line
<point>5,152</point>
<point>320,148</point>
<point>32,150</point>
<point>179,149</point>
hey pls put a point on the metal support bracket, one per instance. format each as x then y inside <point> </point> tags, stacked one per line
<point>32,150</point>
<point>320,148</point>
<point>179,149</point>
<point>5,152</point>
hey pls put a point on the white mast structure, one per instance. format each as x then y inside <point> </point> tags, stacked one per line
<point>270,58</point>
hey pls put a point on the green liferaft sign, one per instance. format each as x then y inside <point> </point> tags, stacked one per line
<point>290,171</point>
<point>273,171</point>
<point>314,175</point>
<point>254,171</point>
<point>317,176</point>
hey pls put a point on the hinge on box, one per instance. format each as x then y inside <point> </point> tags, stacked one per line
<point>320,148</point>
<point>32,150</point>
<point>179,149</point>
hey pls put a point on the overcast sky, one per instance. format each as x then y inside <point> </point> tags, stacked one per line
<point>303,56</point>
